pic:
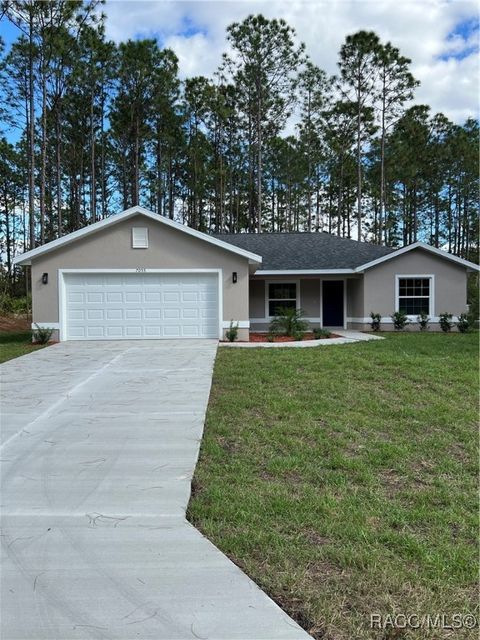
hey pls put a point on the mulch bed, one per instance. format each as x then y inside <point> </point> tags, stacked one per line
<point>262,337</point>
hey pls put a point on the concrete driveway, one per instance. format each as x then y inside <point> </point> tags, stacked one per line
<point>99,444</point>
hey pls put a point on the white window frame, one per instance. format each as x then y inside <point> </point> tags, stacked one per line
<point>281,281</point>
<point>431,301</point>
<point>135,244</point>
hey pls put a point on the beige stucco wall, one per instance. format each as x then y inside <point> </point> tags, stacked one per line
<point>450,286</point>
<point>309,298</point>
<point>111,248</point>
<point>355,293</point>
<point>257,298</point>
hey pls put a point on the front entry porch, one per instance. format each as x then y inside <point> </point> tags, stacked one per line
<point>323,299</point>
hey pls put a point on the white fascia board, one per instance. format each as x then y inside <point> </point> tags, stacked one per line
<point>303,272</point>
<point>419,245</point>
<point>26,258</point>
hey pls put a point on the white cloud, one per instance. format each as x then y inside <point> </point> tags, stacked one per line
<point>420,29</point>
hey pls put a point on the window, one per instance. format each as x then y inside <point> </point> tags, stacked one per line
<point>281,295</point>
<point>414,295</point>
<point>139,238</point>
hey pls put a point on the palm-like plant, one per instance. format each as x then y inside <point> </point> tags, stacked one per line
<point>288,322</point>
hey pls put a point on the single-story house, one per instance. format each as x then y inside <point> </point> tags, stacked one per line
<point>138,275</point>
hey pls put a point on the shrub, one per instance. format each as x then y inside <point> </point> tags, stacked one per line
<point>321,333</point>
<point>375,323</point>
<point>446,321</point>
<point>9,304</point>
<point>232,332</point>
<point>463,324</point>
<point>423,320</point>
<point>473,295</point>
<point>400,320</point>
<point>298,335</point>
<point>288,322</point>
<point>42,334</point>
<point>270,337</point>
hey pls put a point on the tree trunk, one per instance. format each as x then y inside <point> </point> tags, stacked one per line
<point>259,176</point>
<point>31,140</point>
<point>58,133</point>
<point>102,154</point>
<point>93,191</point>
<point>158,162</point>
<point>381,214</point>
<point>359,168</point>
<point>136,165</point>
<point>43,155</point>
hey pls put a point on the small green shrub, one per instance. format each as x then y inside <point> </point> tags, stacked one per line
<point>376,319</point>
<point>321,333</point>
<point>446,323</point>
<point>463,324</point>
<point>232,332</point>
<point>423,320</point>
<point>270,337</point>
<point>400,320</point>
<point>42,334</point>
<point>473,299</point>
<point>298,335</point>
<point>10,304</point>
<point>288,322</point>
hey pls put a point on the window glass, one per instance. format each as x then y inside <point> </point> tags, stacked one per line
<point>414,295</point>
<point>275,306</point>
<point>282,291</point>
<point>281,295</point>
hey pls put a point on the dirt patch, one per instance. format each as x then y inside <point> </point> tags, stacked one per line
<point>15,323</point>
<point>315,538</point>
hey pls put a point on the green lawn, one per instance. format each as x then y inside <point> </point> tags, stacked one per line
<point>14,344</point>
<point>343,479</point>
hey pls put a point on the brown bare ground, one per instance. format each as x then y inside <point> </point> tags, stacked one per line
<point>15,323</point>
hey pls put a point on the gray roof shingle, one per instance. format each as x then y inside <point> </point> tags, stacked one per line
<point>302,250</point>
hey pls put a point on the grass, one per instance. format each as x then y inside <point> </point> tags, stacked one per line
<point>16,343</point>
<point>343,479</point>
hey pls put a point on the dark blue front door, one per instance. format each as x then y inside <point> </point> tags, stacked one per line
<point>332,303</point>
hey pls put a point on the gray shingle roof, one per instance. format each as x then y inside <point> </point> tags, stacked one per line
<point>289,251</point>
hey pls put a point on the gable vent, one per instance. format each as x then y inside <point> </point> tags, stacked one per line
<point>139,238</point>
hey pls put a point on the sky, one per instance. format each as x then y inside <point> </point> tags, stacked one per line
<point>440,36</point>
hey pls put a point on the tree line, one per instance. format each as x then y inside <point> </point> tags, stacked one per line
<point>101,127</point>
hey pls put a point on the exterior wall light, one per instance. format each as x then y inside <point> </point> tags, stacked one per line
<point>45,278</point>
<point>234,277</point>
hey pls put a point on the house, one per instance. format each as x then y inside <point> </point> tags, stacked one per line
<point>138,275</point>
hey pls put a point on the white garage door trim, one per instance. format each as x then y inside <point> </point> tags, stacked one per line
<point>62,297</point>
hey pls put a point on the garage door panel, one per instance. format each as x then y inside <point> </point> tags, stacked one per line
<point>75,297</point>
<point>113,297</point>
<point>114,332</point>
<point>114,314</point>
<point>95,314</point>
<point>141,306</point>
<point>93,280</point>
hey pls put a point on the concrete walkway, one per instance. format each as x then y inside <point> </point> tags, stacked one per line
<point>346,337</point>
<point>100,440</point>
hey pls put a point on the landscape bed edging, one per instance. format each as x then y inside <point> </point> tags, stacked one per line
<point>344,339</point>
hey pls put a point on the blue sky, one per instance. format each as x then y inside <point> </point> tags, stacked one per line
<point>440,36</point>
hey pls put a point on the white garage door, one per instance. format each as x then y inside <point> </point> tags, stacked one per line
<point>115,306</point>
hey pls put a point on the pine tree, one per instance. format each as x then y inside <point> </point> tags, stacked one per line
<point>264,67</point>
<point>358,74</point>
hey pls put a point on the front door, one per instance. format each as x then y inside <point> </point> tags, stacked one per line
<point>332,303</point>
